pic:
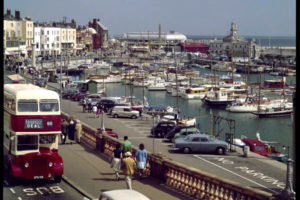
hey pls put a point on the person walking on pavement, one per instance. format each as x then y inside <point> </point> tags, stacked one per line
<point>64,131</point>
<point>78,129</point>
<point>126,145</point>
<point>141,159</point>
<point>94,109</point>
<point>83,105</point>
<point>89,101</point>
<point>71,130</point>
<point>116,161</point>
<point>128,165</point>
<point>98,110</point>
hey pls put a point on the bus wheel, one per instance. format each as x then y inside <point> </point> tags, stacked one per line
<point>57,179</point>
<point>11,179</point>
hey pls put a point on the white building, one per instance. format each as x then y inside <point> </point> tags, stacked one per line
<point>170,37</point>
<point>239,46</point>
<point>47,40</point>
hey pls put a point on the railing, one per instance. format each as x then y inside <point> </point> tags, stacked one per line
<point>187,180</point>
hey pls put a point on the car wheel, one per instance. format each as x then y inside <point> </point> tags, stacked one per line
<point>186,150</point>
<point>115,116</point>
<point>133,116</point>
<point>160,134</point>
<point>220,151</point>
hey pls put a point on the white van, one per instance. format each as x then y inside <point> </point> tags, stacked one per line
<point>122,195</point>
<point>124,111</point>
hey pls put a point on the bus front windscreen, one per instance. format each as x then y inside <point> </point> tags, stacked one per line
<point>27,142</point>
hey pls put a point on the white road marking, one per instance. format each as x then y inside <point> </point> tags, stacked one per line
<point>19,198</point>
<point>12,190</point>
<point>236,174</point>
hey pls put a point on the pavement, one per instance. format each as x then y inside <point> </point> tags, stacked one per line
<point>89,172</point>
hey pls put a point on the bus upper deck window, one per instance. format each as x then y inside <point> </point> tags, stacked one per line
<point>49,105</point>
<point>27,105</point>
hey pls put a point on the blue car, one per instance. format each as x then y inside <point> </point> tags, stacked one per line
<point>201,143</point>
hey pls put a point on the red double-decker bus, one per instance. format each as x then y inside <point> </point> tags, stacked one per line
<point>32,126</point>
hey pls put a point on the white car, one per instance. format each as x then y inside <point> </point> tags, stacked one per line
<point>122,195</point>
<point>124,111</point>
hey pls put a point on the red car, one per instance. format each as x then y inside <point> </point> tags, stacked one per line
<point>109,132</point>
<point>79,96</point>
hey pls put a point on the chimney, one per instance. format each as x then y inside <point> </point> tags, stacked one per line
<point>17,15</point>
<point>8,12</point>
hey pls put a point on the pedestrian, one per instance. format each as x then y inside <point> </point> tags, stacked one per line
<point>126,145</point>
<point>94,109</point>
<point>83,105</point>
<point>71,130</point>
<point>89,101</point>
<point>78,129</point>
<point>141,159</point>
<point>98,110</point>
<point>64,131</point>
<point>128,165</point>
<point>116,161</point>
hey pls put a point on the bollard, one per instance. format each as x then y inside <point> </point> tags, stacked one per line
<point>246,150</point>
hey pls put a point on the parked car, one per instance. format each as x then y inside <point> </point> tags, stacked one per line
<point>69,92</point>
<point>117,104</point>
<point>40,81</point>
<point>106,103</point>
<point>170,135</point>
<point>162,128</point>
<point>79,96</point>
<point>122,194</point>
<point>124,111</point>
<point>109,132</point>
<point>200,143</point>
<point>184,132</point>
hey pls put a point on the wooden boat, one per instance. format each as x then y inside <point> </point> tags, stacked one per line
<point>274,112</point>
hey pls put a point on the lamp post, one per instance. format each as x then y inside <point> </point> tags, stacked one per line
<point>288,193</point>
<point>102,129</point>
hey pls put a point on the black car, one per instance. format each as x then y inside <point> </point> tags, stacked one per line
<point>162,128</point>
<point>107,104</point>
<point>173,131</point>
<point>69,92</point>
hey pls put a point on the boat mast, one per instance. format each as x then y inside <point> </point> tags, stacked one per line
<point>248,75</point>
<point>130,85</point>
<point>143,82</point>
<point>258,107</point>
<point>177,96</point>
<point>231,56</point>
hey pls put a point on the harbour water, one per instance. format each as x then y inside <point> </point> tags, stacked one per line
<point>270,129</point>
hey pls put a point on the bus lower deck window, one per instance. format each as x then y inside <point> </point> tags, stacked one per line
<point>27,142</point>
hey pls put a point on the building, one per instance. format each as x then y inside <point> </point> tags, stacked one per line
<point>100,40</point>
<point>84,39</point>
<point>234,45</point>
<point>17,34</point>
<point>194,47</point>
<point>68,40</point>
<point>170,37</point>
<point>47,41</point>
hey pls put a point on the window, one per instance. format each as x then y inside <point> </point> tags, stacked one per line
<point>204,139</point>
<point>196,139</point>
<point>47,139</point>
<point>49,105</point>
<point>47,32</point>
<point>27,142</point>
<point>259,148</point>
<point>27,105</point>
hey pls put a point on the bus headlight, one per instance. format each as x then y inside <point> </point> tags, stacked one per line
<point>50,164</point>
<point>26,165</point>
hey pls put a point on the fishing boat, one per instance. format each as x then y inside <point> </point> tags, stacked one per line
<point>274,112</point>
<point>194,93</point>
<point>221,99</point>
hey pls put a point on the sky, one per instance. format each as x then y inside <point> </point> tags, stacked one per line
<point>190,17</point>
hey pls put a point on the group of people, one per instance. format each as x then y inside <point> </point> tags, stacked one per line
<point>125,162</point>
<point>95,109</point>
<point>72,130</point>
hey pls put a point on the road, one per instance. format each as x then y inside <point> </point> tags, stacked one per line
<point>41,190</point>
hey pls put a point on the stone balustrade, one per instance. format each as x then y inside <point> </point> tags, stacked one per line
<point>190,181</point>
